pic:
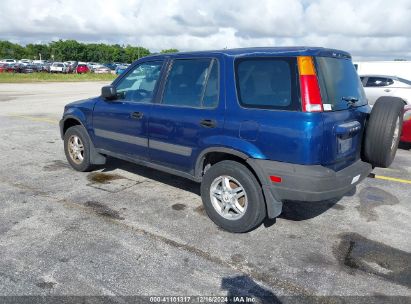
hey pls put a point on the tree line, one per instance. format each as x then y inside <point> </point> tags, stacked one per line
<point>63,50</point>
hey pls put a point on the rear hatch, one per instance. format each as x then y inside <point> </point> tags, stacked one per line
<point>345,111</point>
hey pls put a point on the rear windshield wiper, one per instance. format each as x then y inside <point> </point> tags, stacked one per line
<point>350,100</point>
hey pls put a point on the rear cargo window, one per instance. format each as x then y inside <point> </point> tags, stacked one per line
<point>339,82</point>
<point>268,83</point>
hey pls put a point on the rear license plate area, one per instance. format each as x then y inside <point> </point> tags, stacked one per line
<point>344,145</point>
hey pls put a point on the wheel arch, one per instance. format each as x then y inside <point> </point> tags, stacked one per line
<point>70,121</point>
<point>214,151</point>
<point>272,203</point>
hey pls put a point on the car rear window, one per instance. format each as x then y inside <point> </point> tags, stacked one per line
<point>267,83</point>
<point>339,81</point>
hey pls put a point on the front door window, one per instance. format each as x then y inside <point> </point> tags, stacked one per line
<point>139,84</point>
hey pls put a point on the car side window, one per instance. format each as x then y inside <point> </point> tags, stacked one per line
<point>139,84</point>
<point>378,82</point>
<point>211,91</point>
<point>192,83</point>
<point>266,83</point>
<point>389,81</point>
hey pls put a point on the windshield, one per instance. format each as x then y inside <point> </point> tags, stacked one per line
<point>341,87</point>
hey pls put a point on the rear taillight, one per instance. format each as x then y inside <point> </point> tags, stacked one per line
<point>310,90</point>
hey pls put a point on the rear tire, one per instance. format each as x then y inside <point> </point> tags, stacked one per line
<point>232,197</point>
<point>383,131</point>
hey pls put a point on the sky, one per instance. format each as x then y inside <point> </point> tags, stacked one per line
<point>368,29</point>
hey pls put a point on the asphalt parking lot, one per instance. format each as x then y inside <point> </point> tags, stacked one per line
<point>126,230</point>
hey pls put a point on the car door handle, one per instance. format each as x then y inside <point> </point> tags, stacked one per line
<point>208,123</point>
<point>387,90</point>
<point>136,115</point>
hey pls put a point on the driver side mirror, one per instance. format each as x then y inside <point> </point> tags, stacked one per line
<point>109,92</point>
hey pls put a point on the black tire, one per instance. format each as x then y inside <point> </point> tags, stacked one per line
<point>254,213</point>
<point>380,144</point>
<point>85,164</point>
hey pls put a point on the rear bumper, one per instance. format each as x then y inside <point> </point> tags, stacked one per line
<point>308,182</point>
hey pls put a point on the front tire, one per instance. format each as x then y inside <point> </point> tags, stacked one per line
<point>77,148</point>
<point>232,197</point>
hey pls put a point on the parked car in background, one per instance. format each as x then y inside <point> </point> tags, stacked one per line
<point>11,67</point>
<point>38,66</point>
<point>45,67</point>
<point>19,67</point>
<point>71,62</point>
<point>406,127</point>
<point>3,67</point>
<point>8,61</point>
<point>92,65</point>
<point>121,68</point>
<point>71,66</point>
<point>25,68</point>
<point>101,69</point>
<point>111,66</point>
<point>82,68</point>
<point>14,68</point>
<point>25,61</point>
<point>399,68</point>
<point>58,67</point>
<point>256,127</point>
<point>376,86</point>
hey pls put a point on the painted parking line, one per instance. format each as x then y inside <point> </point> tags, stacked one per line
<point>33,118</point>
<point>392,179</point>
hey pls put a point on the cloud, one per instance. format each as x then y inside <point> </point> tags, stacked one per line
<point>367,29</point>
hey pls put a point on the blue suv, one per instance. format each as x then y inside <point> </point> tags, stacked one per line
<point>256,126</point>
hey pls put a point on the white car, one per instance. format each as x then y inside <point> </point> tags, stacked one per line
<point>376,86</point>
<point>92,65</point>
<point>101,69</point>
<point>25,61</point>
<point>8,61</point>
<point>58,67</point>
<point>72,62</point>
<point>395,68</point>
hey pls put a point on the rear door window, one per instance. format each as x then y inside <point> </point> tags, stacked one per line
<point>268,83</point>
<point>339,81</point>
<point>192,83</point>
